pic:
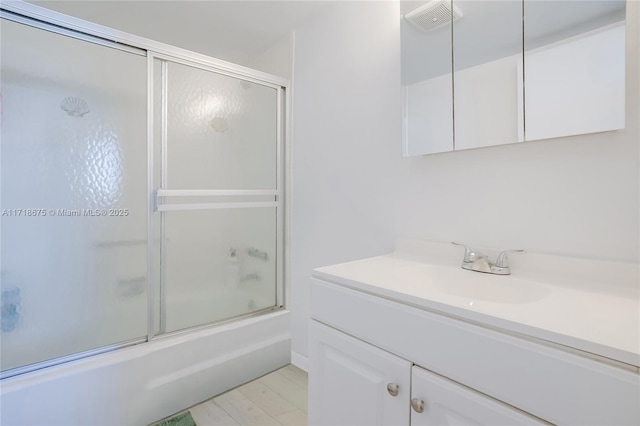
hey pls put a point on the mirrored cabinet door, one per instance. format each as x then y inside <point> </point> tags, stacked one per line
<point>478,73</point>
<point>487,53</point>
<point>574,68</point>
<point>426,77</point>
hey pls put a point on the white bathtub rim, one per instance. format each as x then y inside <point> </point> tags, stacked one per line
<point>127,353</point>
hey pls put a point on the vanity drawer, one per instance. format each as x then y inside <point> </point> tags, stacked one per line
<point>557,386</point>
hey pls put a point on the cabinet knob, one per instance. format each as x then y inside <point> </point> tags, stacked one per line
<point>417,405</point>
<point>393,389</point>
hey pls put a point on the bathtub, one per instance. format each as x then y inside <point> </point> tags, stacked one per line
<point>140,384</point>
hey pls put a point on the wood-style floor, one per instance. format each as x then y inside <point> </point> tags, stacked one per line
<point>279,398</point>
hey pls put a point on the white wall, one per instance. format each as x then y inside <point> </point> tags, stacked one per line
<point>346,143</point>
<point>277,59</point>
<point>353,194</point>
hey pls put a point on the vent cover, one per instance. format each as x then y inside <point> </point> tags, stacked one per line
<point>433,15</point>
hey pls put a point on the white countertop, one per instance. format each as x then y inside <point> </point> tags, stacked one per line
<point>589,305</point>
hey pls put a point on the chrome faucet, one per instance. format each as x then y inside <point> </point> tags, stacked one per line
<point>479,262</point>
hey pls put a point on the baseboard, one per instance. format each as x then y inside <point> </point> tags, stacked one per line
<point>300,361</point>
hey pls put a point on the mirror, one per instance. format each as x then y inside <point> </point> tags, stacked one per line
<point>466,84</point>
<point>487,50</point>
<point>426,57</point>
<point>574,67</point>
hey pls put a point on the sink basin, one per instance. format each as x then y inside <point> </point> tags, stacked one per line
<point>476,286</point>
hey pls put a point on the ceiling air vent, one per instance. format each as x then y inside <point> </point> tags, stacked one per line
<point>433,15</point>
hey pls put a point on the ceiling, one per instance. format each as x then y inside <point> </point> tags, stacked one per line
<point>228,30</point>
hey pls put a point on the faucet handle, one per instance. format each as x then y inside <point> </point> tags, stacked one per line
<point>470,255</point>
<point>503,260</point>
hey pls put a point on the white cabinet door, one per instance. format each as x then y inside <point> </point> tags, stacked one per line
<point>348,381</point>
<point>449,403</point>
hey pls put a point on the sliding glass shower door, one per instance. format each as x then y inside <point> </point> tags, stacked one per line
<point>218,194</point>
<point>73,196</point>
<point>140,194</point>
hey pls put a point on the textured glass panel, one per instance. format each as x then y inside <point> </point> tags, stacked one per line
<point>221,131</point>
<point>73,195</point>
<point>218,264</point>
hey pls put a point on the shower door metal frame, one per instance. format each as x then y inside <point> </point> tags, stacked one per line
<point>160,193</point>
<point>49,20</point>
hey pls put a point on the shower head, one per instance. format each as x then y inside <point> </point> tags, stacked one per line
<point>433,14</point>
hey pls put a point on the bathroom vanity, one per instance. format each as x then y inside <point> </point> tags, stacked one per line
<point>410,338</point>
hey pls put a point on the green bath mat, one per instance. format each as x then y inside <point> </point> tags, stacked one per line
<point>182,419</point>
